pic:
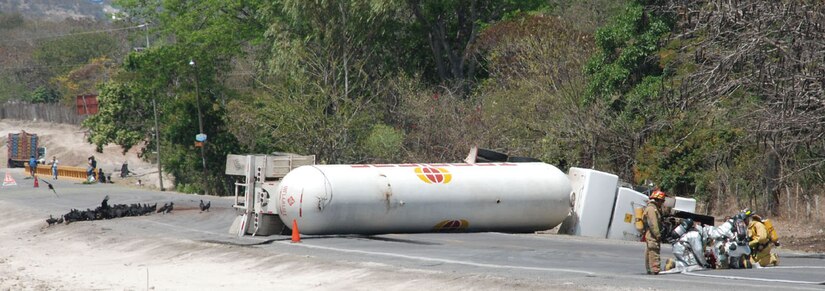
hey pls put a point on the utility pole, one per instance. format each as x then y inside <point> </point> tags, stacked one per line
<point>157,144</point>
<point>155,109</point>
<point>200,125</point>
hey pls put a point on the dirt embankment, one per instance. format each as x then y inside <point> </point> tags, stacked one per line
<point>801,235</point>
<point>68,143</point>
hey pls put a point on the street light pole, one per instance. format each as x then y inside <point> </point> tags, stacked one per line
<point>200,126</point>
<point>157,144</point>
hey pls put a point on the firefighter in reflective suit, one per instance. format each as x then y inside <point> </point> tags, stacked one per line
<point>689,248</point>
<point>653,233</point>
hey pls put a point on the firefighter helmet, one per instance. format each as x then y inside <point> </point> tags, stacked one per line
<point>657,194</point>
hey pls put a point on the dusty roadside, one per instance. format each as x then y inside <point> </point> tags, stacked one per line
<point>158,252</point>
<point>68,143</point>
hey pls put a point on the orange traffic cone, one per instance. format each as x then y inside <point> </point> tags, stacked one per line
<point>35,182</point>
<point>296,236</point>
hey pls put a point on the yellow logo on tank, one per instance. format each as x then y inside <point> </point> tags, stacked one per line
<point>434,175</point>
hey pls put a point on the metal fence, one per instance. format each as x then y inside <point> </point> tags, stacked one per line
<point>53,112</point>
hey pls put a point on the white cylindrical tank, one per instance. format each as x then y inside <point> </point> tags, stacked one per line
<point>409,198</point>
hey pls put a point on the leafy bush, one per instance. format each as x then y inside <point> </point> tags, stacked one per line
<point>384,143</point>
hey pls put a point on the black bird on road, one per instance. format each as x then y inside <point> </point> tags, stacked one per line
<point>51,187</point>
<point>205,207</point>
<point>169,209</point>
<point>163,208</point>
<point>51,220</point>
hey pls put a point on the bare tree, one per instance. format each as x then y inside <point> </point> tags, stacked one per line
<point>768,55</point>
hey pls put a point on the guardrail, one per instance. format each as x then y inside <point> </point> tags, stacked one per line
<point>62,172</point>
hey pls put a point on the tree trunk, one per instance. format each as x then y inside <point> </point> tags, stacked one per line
<point>807,207</point>
<point>796,209</point>
<point>788,196</point>
<point>772,189</point>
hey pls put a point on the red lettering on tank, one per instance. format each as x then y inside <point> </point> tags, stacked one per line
<point>290,200</point>
<point>505,164</point>
<point>282,206</point>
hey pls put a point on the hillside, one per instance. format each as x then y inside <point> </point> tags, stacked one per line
<point>58,9</point>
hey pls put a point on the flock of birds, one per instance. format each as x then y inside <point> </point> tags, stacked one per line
<point>106,211</point>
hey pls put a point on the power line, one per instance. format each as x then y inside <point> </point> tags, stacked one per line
<point>79,33</point>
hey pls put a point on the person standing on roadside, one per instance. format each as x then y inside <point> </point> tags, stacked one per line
<point>90,171</point>
<point>54,167</point>
<point>652,232</point>
<point>32,166</point>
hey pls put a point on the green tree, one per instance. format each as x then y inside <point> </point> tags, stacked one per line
<point>531,101</point>
<point>320,90</point>
<point>451,28</point>
<point>626,74</point>
<point>196,43</point>
<point>44,94</point>
<point>121,116</point>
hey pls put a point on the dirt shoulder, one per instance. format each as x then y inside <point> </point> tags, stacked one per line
<point>803,236</point>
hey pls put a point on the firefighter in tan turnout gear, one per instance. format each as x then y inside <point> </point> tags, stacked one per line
<point>760,242</point>
<point>652,231</point>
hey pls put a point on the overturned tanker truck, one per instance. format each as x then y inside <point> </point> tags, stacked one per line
<point>275,192</point>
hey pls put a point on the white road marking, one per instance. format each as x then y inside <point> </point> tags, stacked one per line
<point>761,279</point>
<point>483,265</point>
<point>522,267</point>
<point>796,267</point>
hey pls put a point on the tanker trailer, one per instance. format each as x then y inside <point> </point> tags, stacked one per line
<point>415,198</point>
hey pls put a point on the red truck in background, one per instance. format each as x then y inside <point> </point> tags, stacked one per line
<point>23,145</point>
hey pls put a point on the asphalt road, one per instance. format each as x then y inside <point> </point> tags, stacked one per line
<point>527,261</point>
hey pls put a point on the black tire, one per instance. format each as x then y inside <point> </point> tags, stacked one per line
<point>485,155</point>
